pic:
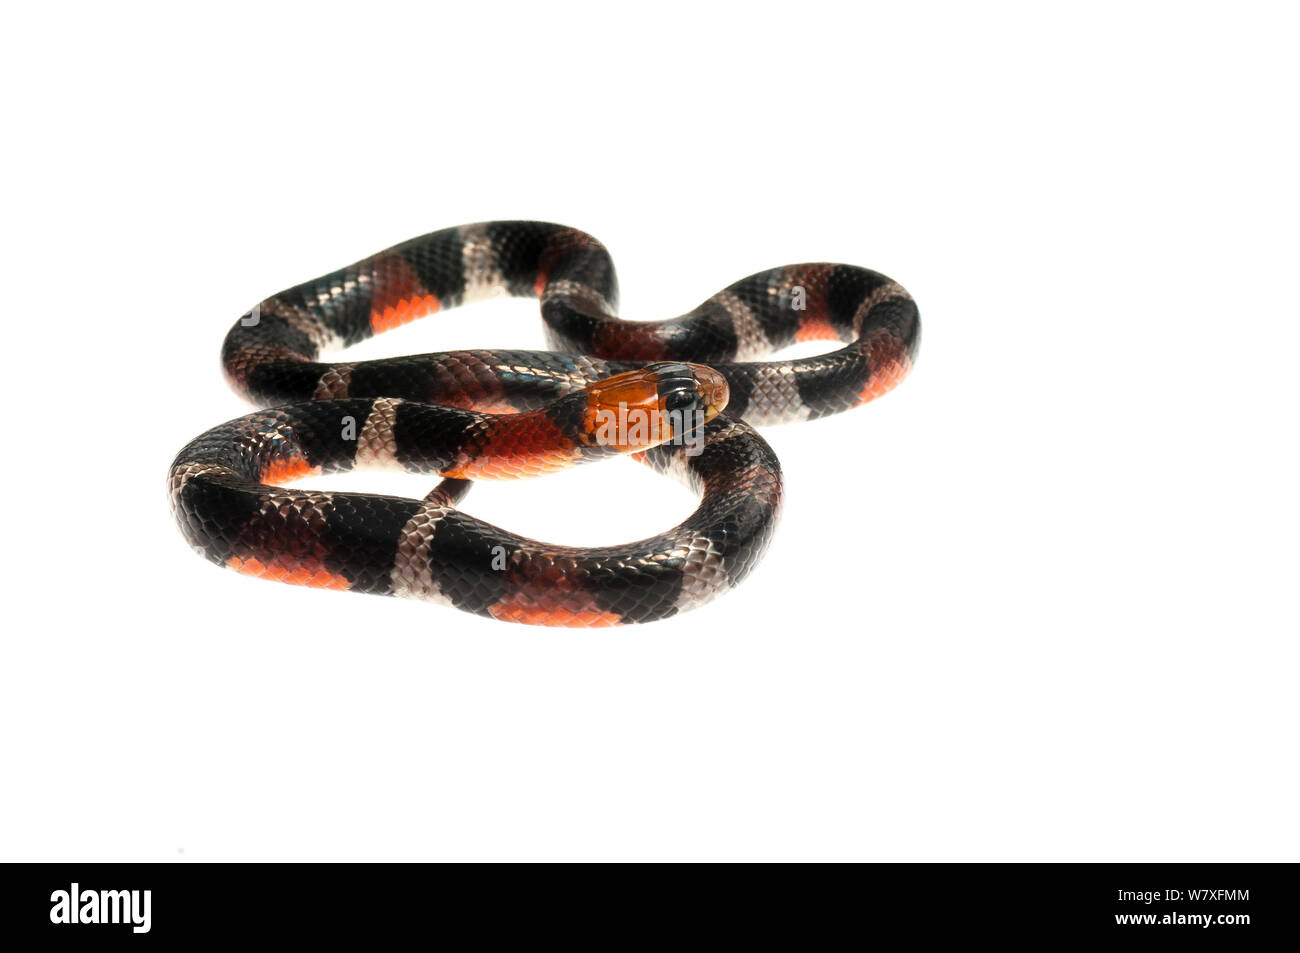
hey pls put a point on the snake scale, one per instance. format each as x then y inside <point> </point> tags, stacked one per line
<point>680,395</point>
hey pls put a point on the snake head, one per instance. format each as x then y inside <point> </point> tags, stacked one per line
<point>660,403</point>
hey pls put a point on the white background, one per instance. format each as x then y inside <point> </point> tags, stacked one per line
<point>1037,604</point>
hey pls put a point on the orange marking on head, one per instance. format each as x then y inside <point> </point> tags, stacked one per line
<point>285,470</point>
<point>404,311</point>
<point>634,392</point>
<point>628,412</point>
<point>317,578</point>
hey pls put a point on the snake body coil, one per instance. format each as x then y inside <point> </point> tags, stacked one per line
<point>491,414</point>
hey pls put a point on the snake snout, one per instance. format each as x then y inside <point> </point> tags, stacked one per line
<point>713,388</point>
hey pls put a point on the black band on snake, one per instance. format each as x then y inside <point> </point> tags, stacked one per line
<point>656,389</point>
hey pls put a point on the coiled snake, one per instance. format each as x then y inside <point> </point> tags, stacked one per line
<point>655,389</point>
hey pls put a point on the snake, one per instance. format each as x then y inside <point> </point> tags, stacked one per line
<point>682,395</point>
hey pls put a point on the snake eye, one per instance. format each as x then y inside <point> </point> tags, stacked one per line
<point>680,399</point>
